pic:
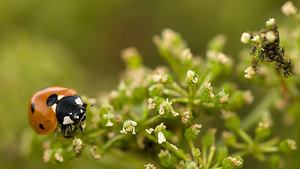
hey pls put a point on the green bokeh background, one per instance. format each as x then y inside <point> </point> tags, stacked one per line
<point>77,44</point>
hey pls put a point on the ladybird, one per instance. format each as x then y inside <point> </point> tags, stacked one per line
<point>56,105</point>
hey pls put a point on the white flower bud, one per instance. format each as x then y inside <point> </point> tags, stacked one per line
<point>289,9</point>
<point>161,137</point>
<point>270,22</point>
<point>245,38</point>
<point>249,72</point>
<point>129,126</point>
<point>271,37</point>
<point>255,38</point>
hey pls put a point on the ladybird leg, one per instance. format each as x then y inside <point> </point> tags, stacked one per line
<point>64,131</point>
<point>70,128</point>
<point>81,129</point>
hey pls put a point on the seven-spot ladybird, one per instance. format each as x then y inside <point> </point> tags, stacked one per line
<point>53,105</point>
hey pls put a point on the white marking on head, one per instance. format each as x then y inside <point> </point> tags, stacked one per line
<point>54,107</point>
<point>76,117</point>
<point>59,97</point>
<point>78,101</point>
<point>67,120</point>
<point>81,111</point>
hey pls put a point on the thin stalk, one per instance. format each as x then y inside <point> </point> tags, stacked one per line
<point>97,133</point>
<point>179,89</point>
<point>153,120</point>
<point>258,112</point>
<point>192,148</point>
<point>210,155</point>
<point>112,141</point>
<point>179,100</point>
<point>177,152</point>
<point>244,136</point>
<point>270,149</point>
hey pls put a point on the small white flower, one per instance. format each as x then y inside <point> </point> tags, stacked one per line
<point>186,116</point>
<point>248,97</point>
<point>58,155</point>
<point>161,109</point>
<point>222,58</point>
<point>191,75</point>
<point>109,123</point>
<point>77,144</point>
<point>129,126</point>
<point>235,161</point>
<point>186,54</point>
<point>161,138</point>
<point>271,37</point>
<point>128,53</point>
<point>149,131</point>
<point>224,99</point>
<point>93,151</point>
<point>245,38</point>
<point>151,104</point>
<point>256,38</point>
<point>289,9</point>
<point>249,72</point>
<point>270,22</point>
<point>292,144</point>
<point>47,155</point>
<point>156,77</point>
<point>149,166</point>
<point>174,113</point>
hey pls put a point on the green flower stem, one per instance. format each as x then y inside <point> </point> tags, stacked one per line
<point>271,142</point>
<point>244,136</point>
<point>172,62</point>
<point>256,115</point>
<point>241,153</point>
<point>172,92</point>
<point>210,155</point>
<point>239,146</point>
<point>269,149</point>
<point>134,116</point>
<point>153,120</point>
<point>179,100</point>
<point>178,152</point>
<point>179,89</point>
<point>129,158</point>
<point>96,133</point>
<point>192,147</point>
<point>145,113</point>
<point>191,97</point>
<point>204,155</point>
<point>112,141</point>
<point>208,76</point>
<point>216,165</point>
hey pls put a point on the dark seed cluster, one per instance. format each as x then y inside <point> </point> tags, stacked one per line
<point>268,50</point>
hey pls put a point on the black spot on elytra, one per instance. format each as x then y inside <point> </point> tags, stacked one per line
<point>52,99</point>
<point>32,107</point>
<point>41,127</point>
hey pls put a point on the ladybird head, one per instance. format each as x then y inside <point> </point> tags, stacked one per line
<point>70,110</point>
<point>78,114</point>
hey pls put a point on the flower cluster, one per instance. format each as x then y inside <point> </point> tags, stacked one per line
<point>173,114</point>
<point>266,47</point>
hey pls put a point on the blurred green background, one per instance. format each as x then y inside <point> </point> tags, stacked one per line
<point>77,44</point>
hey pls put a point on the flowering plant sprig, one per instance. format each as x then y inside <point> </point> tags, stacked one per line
<point>167,113</point>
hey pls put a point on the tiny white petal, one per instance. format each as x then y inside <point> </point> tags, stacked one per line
<point>161,138</point>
